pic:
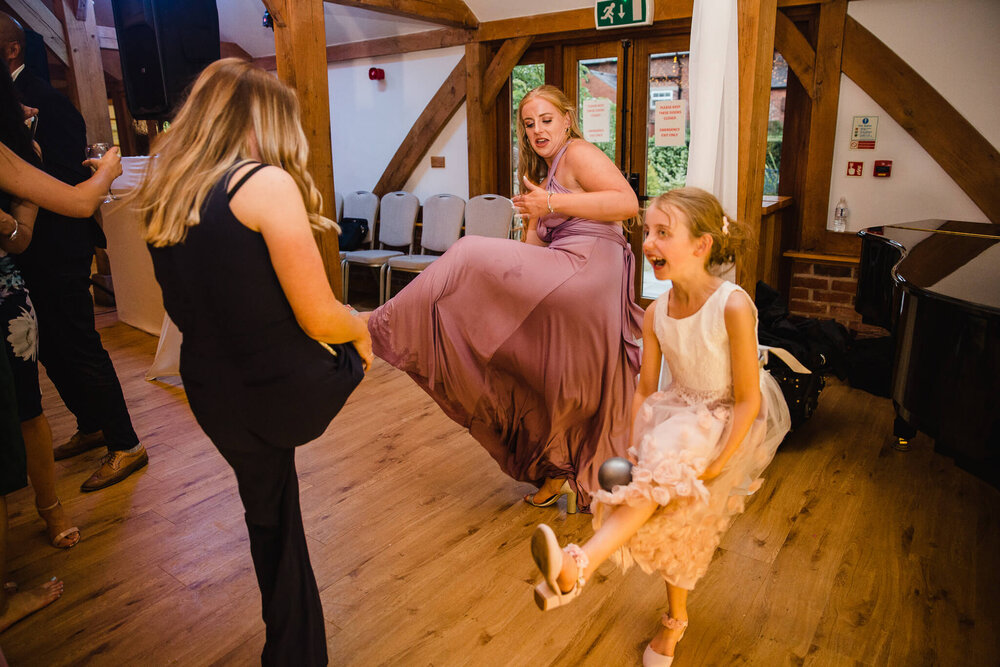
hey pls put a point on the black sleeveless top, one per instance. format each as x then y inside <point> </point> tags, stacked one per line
<point>241,344</point>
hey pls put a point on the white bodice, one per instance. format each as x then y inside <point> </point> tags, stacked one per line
<point>696,348</point>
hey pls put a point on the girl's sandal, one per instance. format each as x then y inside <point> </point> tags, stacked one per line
<point>651,658</point>
<point>549,558</point>
<point>57,539</point>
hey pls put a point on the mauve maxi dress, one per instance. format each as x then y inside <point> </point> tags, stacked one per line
<point>533,349</point>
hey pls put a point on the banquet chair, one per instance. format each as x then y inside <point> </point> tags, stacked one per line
<point>358,204</point>
<point>489,215</point>
<point>395,228</point>
<point>338,206</point>
<point>442,225</point>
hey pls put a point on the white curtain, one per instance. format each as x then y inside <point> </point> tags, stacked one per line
<point>714,105</point>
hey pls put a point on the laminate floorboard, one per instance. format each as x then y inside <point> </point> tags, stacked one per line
<point>850,554</point>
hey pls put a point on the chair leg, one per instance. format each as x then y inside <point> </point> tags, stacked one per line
<point>388,284</point>
<point>381,283</point>
<point>345,272</point>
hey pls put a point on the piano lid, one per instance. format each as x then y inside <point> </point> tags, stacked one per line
<point>956,260</point>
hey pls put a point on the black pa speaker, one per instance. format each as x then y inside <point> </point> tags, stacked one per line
<point>163,45</point>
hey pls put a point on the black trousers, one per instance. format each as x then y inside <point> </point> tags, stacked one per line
<point>269,488</point>
<point>290,604</point>
<point>70,348</point>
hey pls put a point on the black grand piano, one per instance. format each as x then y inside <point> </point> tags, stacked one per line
<point>935,284</point>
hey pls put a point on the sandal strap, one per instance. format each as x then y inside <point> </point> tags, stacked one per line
<point>672,623</point>
<point>581,560</point>
<point>49,508</point>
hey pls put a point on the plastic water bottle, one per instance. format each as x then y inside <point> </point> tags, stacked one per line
<point>840,216</point>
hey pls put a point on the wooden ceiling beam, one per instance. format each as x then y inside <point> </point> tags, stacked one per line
<point>36,16</point>
<point>795,49</point>
<point>387,46</point>
<point>574,20</point>
<point>425,130</point>
<point>954,143</point>
<point>453,13</point>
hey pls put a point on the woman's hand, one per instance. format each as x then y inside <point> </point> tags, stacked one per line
<point>364,347</point>
<point>534,202</point>
<point>109,164</point>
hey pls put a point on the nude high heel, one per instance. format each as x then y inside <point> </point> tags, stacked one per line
<point>549,558</point>
<point>567,490</point>
<point>564,490</point>
<point>651,658</point>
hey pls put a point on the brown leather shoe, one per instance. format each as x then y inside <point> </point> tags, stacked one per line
<point>78,444</point>
<point>115,467</point>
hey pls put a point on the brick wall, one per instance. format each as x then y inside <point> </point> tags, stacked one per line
<point>826,290</point>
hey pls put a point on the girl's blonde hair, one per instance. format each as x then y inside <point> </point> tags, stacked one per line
<point>704,214</point>
<point>528,162</point>
<point>231,104</point>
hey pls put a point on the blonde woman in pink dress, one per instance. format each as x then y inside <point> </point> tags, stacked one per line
<point>700,444</point>
<point>532,346</point>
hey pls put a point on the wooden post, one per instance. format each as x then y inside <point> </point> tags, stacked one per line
<point>815,198</point>
<point>756,48</point>
<point>481,122</point>
<point>86,78</point>
<point>300,46</point>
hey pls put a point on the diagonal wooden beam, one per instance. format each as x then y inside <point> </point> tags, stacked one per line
<point>965,154</point>
<point>387,46</point>
<point>36,16</point>
<point>500,68</point>
<point>445,12</point>
<point>795,49</point>
<point>425,130</point>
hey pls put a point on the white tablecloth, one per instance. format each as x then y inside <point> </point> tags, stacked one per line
<point>137,294</point>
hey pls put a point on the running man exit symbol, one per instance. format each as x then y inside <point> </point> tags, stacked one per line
<point>622,13</point>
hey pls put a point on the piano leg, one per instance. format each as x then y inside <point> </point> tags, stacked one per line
<point>903,433</point>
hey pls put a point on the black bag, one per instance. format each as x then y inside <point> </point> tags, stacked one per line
<point>801,390</point>
<point>352,233</point>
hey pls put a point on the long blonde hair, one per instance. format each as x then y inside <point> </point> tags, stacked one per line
<point>230,104</point>
<point>528,161</point>
<point>704,213</point>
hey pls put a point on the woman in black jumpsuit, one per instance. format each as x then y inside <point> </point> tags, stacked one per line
<point>268,356</point>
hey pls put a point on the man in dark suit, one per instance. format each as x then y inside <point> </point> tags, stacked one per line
<point>56,268</point>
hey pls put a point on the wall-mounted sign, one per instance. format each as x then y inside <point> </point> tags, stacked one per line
<point>863,131</point>
<point>597,119</point>
<point>622,13</point>
<point>883,168</point>
<point>855,168</point>
<point>669,125</point>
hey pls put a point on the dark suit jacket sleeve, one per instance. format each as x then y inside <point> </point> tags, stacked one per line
<point>61,131</point>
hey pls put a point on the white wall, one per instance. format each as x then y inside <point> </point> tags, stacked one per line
<point>953,45</point>
<point>370,119</point>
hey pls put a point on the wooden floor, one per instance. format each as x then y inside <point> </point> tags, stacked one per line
<point>851,553</point>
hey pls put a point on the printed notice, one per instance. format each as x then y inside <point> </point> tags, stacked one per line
<point>863,131</point>
<point>597,119</point>
<point>670,123</point>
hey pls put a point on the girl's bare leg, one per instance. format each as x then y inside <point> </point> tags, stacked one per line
<point>620,525</point>
<point>666,639</point>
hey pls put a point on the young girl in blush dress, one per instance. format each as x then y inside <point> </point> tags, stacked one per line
<point>700,444</point>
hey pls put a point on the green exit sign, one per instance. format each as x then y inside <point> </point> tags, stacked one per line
<point>622,13</point>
